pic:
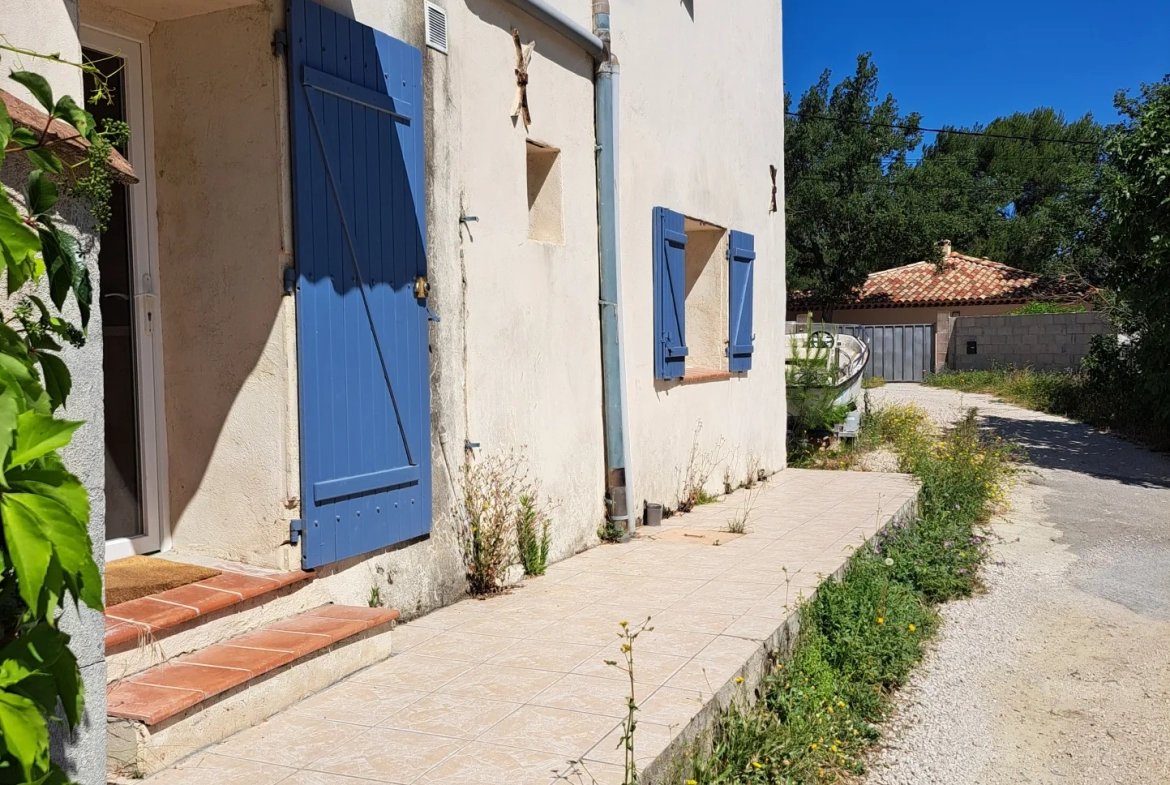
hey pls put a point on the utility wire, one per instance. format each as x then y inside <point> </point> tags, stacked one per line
<point>957,131</point>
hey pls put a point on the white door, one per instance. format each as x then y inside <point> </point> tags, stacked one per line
<point>135,431</point>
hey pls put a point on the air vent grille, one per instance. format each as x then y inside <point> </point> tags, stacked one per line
<point>436,28</point>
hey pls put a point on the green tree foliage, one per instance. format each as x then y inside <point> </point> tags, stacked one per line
<point>1136,239</point>
<point>46,556</point>
<point>1029,201</point>
<point>843,151</point>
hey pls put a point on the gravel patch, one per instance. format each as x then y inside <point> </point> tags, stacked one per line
<point>1060,671</point>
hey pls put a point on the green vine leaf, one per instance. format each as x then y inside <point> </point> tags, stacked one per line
<point>68,110</point>
<point>27,547</point>
<point>70,542</point>
<point>16,238</point>
<point>42,193</point>
<point>25,733</point>
<point>37,434</point>
<point>5,129</point>
<point>58,381</point>
<point>9,409</point>
<point>37,85</point>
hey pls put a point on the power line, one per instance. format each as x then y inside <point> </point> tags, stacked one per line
<point>956,131</point>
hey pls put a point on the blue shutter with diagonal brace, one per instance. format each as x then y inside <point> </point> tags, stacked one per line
<point>357,161</point>
<point>670,343</point>
<point>741,259</point>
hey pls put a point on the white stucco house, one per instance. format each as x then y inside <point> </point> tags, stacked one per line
<point>350,267</point>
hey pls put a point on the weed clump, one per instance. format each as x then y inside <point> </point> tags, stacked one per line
<point>861,637</point>
<point>506,522</point>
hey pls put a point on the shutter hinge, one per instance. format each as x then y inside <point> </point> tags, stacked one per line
<point>279,43</point>
<point>290,280</point>
<point>295,528</point>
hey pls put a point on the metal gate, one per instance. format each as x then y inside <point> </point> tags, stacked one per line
<point>358,169</point>
<point>897,352</point>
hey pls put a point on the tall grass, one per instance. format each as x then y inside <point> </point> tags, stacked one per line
<point>861,637</point>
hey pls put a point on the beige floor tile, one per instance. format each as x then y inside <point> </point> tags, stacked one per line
<point>288,740</point>
<point>555,656</point>
<point>388,755</point>
<point>550,730</point>
<point>457,716</point>
<point>209,769</point>
<point>581,629</point>
<point>500,682</point>
<point>494,764</point>
<point>405,637</point>
<point>456,645</point>
<point>681,616</point>
<point>650,668</point>
<point>679,643</point>
<point>356,702</point>
<point>590,694</point>
<point>649,742</point>
<point>756,628</point>
<point>412,671</point>
<point>309,777</point>
<point>671,707</point>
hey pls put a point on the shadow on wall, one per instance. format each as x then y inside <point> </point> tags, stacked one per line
<point>549,45</point>
<point>1075,447</point>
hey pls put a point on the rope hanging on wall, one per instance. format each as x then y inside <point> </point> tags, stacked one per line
<point>523,58</point>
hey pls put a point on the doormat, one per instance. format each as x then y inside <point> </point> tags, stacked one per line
<point>140,576</point>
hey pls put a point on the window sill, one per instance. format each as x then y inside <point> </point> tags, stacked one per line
<point>698,376</point>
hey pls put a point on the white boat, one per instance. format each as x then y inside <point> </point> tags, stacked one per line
<point>825,360</point>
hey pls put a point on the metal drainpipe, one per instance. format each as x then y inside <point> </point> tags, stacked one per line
<point>613,379</point>
<point>613,376</point>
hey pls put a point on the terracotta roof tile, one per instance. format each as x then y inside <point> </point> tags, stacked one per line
<point>67,144</point>
<point>958,280</point>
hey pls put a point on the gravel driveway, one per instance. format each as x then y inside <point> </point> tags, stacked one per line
<point>1060,672</point>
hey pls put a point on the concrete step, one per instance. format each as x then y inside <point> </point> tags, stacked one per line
<point>161,714</point>
<point>129,624</point>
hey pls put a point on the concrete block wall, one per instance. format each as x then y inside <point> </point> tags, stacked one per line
<point>1045,342</point>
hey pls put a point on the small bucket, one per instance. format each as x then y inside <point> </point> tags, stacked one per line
<point>653,516</point>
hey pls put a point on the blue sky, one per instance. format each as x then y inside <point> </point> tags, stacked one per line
<point>961,61</point>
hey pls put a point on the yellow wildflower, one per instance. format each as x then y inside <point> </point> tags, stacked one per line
<point>757,765</point>
<point>812,746</point>
<point>833,748</point>
<point>739,679</point>
<point>881,620</point>
<point>841,704</point>
<point>692,782</point>
<point>911,627</point>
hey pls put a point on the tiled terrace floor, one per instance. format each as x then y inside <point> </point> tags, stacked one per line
<point>508,690</point>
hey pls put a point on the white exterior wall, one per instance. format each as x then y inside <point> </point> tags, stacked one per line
<point>532,323</point>
<point>701,119</point>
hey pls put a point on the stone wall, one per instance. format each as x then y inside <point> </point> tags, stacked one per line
<point>1045,342</point>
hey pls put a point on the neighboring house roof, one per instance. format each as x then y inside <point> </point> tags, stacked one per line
<point>62,138</point>
<point>956,280</point>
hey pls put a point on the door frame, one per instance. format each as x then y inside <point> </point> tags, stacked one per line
<point>146,316</point>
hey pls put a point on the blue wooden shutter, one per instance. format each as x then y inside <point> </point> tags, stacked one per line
<point>741,258</point>
<point>358,169</point>
<point>670,343</point>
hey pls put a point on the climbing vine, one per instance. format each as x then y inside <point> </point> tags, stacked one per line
<point>46,556</point>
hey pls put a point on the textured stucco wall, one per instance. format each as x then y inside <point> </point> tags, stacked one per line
<point>533,331</point>
<point>225,347</point>
<point>53,29</point>
<point>701,119</point>
<point>1045,342</point>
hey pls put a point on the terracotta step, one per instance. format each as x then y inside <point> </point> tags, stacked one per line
<point>152,615</point>
<point>168,689</point>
